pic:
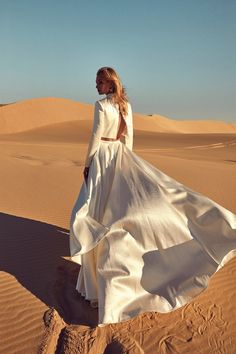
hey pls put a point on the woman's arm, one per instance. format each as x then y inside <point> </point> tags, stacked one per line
<point>129,129</point>
<point>96,133</point>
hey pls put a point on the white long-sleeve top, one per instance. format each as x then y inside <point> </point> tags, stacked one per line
<point>106,124</point>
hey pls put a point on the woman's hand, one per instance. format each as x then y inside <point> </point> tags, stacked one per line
<point>85,173</point>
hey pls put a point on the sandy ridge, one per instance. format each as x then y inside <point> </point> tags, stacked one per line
<point>34,113</point>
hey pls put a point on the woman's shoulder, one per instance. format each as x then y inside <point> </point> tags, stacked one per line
<point>129,105</point>
<point>129,109</point>
<point>102,102</point>
<point>106,102</point>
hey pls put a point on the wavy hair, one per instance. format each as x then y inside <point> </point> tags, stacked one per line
<point>118,91</point>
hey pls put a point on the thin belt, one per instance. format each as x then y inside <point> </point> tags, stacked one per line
<point>108,139</point>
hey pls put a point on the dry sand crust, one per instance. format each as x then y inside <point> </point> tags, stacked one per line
<point>43,145</point>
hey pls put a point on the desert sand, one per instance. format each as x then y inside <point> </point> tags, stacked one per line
<point>43,144</point>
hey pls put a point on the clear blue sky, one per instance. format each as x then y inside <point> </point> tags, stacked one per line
<point>175,57</point>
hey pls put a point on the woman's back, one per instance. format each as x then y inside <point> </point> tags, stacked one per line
<point>106,124</point>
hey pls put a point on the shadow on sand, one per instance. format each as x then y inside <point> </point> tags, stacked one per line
<point>33,251</point>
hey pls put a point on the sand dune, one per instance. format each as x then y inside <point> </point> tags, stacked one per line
<point>162,124</point>
<point>43,144</point>
<point>30,114</point>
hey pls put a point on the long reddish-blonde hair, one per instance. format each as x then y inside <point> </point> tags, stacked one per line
<point>118,91</point>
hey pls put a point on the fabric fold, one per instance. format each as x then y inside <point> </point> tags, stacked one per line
<point>145,241</point>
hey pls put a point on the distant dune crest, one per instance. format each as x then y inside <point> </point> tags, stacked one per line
<point>30,114</point>
<point>35,113</point>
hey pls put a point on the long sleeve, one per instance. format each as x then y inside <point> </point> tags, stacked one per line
<point>129,129</point>
<point>96,133</point>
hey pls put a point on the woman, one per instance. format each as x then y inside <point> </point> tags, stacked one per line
<point>145,242</point>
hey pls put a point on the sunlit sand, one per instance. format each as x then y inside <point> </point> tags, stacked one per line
<point>43,145</point>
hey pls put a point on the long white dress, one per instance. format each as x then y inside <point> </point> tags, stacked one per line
<point>145,242</point>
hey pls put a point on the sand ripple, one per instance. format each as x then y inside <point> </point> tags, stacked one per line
<point>204,326</point>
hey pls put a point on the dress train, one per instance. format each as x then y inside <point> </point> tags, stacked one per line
<point>145,242</point>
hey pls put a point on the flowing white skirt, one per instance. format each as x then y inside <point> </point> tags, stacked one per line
<point>145,242</point>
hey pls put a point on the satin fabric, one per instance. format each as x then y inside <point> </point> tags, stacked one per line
<point>145,242</point>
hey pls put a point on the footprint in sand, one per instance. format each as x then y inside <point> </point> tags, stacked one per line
<point>71,306</point>
<point>30,160</point>
<point>33,161</point>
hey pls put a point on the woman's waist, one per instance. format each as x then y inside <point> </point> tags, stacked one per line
<point>104,138</point>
